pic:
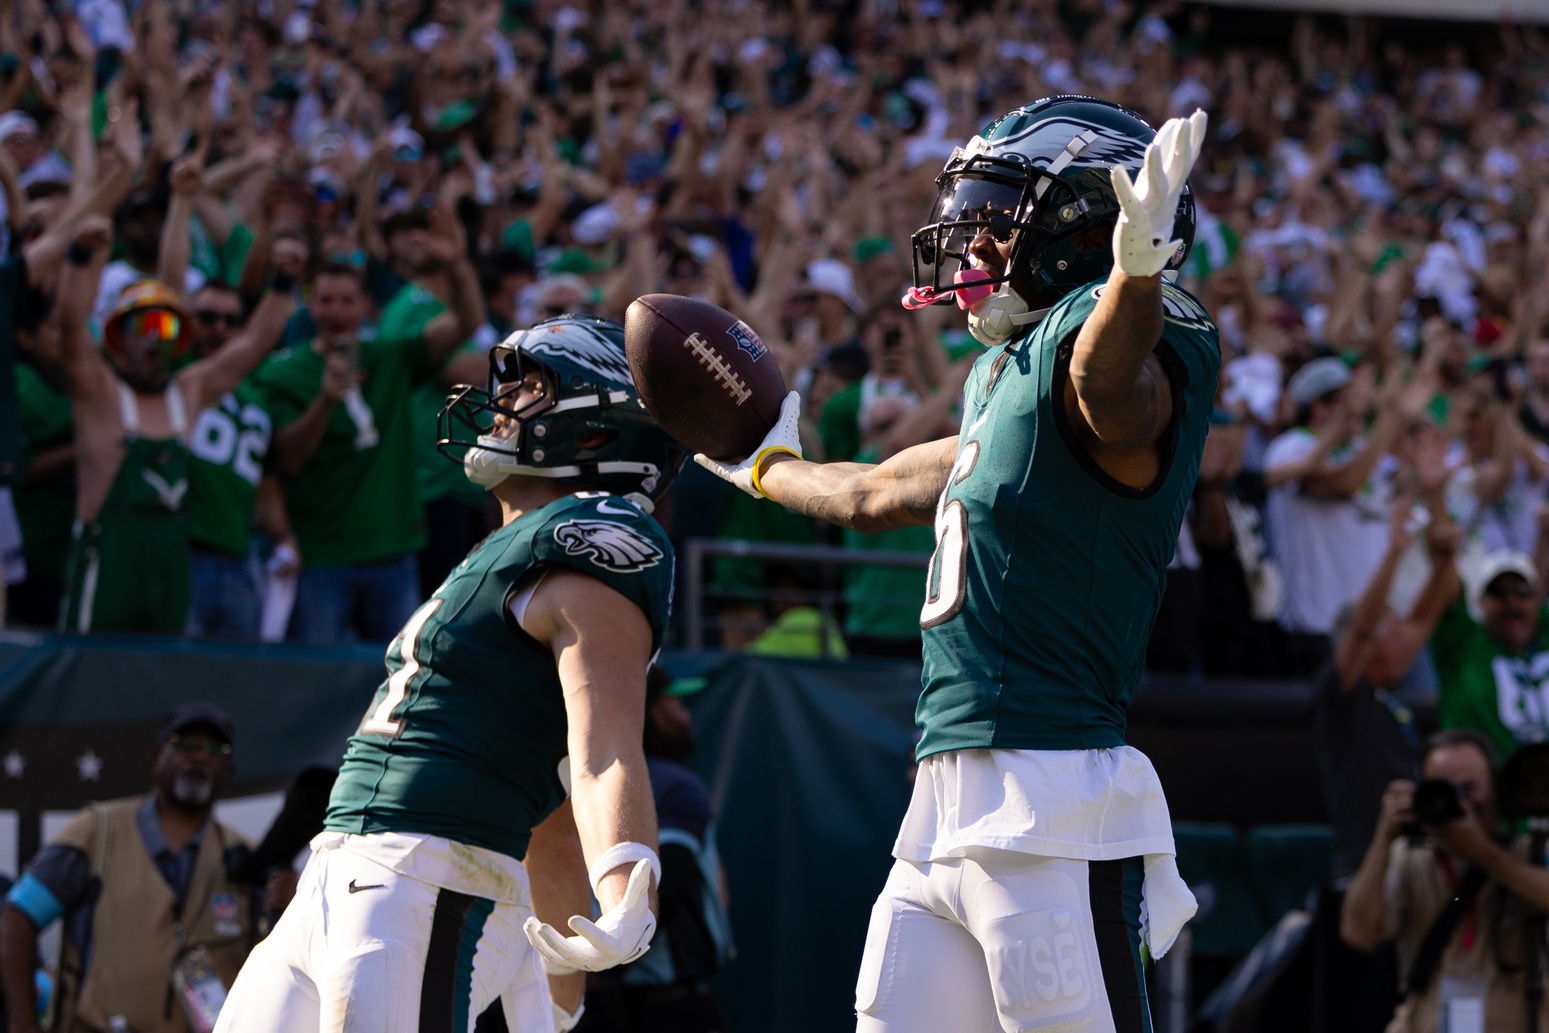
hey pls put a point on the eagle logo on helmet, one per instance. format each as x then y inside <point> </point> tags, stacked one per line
<point>1043,141</point>
<point>583,346</point>
<point>609,545</point>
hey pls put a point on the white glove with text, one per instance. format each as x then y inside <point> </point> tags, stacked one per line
<point>1143,243</point>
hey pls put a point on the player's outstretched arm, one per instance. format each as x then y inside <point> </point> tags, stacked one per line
<point>1123,393</point>
<point>602,644</point>
<point>862,496</point>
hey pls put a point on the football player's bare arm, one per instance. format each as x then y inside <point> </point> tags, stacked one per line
<point>602,644</point>
<point>1119,385</point>
<point>556,871</point>
<point>901,492</point>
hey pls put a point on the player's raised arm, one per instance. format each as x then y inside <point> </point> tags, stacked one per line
<point>865,497</point>
<point>602,644</point>
<point>1122,390</point>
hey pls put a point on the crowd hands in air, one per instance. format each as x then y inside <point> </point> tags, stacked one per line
<point>387,181</point>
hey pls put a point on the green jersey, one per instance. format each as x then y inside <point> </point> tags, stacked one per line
<point>884,602</point>
<point>465,737</point>
<point>45,508</point>
<point>356,500</point>
<point>1047,572</point>
<point>1482,687</point>
<point>227,449</point>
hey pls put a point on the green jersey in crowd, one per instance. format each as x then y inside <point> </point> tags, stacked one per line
<point>465,737</point>
<point>227,449</point>
<point>1047,572</point>
<point>13,285</point>
<point>357,500</point>
<point>884,602</point>
<point>45,508</point>
<point>1482,687</point>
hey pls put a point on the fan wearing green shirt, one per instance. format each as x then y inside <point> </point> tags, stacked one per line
<point>344,442</point>
<point>1493,672</point>
<point>228,487</point>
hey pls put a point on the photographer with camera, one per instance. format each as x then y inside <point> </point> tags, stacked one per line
<point>1455,893</point>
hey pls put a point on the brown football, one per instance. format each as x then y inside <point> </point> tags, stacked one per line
<point>703,374</point>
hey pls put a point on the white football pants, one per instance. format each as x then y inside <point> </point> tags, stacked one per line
<point>363,949</point>
<point>1004,941</point>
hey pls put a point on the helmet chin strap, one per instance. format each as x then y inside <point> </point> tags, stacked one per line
<point>488,466</point>
<point>996,319</point>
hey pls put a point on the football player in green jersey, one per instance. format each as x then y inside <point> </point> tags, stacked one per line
<point>519,683</point>
<point>1035,863</point>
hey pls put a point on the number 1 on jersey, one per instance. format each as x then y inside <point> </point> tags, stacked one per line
<point>381,720</point>
<point>945,585</point>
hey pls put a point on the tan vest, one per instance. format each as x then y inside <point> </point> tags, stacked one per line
<point>134,944</point>
<point>1417,891</point>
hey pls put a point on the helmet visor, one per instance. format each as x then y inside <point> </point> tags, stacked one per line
<point>967,206</point>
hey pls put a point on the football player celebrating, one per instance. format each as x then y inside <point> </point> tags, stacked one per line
<point>521,679</point>
<point>1036,857</point>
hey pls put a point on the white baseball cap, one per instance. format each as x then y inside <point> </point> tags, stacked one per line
<point>1318,378</point>
<point>1494,565</point>
<point>832,276</point>
<point>13,122</point>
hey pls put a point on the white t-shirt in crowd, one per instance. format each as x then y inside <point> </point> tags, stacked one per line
<point>1327,549</point>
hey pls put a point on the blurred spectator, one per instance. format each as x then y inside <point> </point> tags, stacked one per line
<point>1492,654</point>
<point>1327,507</point>
<point>1455,886</point>
<point>143,890</point>
<point>344,435</point>
<point>132,404</point>
<point>1363,724</point>
<point>228,489</point>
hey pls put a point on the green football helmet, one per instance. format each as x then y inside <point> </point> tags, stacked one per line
<point>586,425</point>
<point>1037,177</point>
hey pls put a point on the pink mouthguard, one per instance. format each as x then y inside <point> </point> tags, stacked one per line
<point>970,291</point>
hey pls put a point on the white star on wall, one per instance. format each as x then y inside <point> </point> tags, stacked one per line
<point>89,766</point>
<point>15,765</point>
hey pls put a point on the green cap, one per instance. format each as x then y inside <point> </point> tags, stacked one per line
<point>574,260</point>
<point>868,248</point>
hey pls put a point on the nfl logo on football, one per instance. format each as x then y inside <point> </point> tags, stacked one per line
<point>747,340</point>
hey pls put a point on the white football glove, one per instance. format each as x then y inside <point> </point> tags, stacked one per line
<point>621,935</point>
<point>1143,241</point>
<point>565,1021</point>
<point>783,437</point>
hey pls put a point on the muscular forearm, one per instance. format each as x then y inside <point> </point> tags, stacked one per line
<point>1121,403</point>
<point>613,804</point>
<point>1363,916</point>
<point>18,964</point>
<point>295,442</point>
<point>901,492</point>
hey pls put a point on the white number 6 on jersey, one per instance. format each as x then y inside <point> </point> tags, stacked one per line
<point>945,585</point>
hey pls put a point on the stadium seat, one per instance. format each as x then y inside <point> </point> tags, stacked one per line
<point>1285,862</point>
<point>1212,861</point>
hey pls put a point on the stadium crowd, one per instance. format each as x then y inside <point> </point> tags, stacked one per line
<point>309,220</point>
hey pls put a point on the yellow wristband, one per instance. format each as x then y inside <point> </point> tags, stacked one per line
<point>764,456</point>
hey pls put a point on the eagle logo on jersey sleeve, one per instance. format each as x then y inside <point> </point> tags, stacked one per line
<point>607,544</point>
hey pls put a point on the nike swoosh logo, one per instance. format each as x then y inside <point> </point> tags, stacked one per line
<point>374,886</point>
<point>971,431</point>
<point>602,507</point>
